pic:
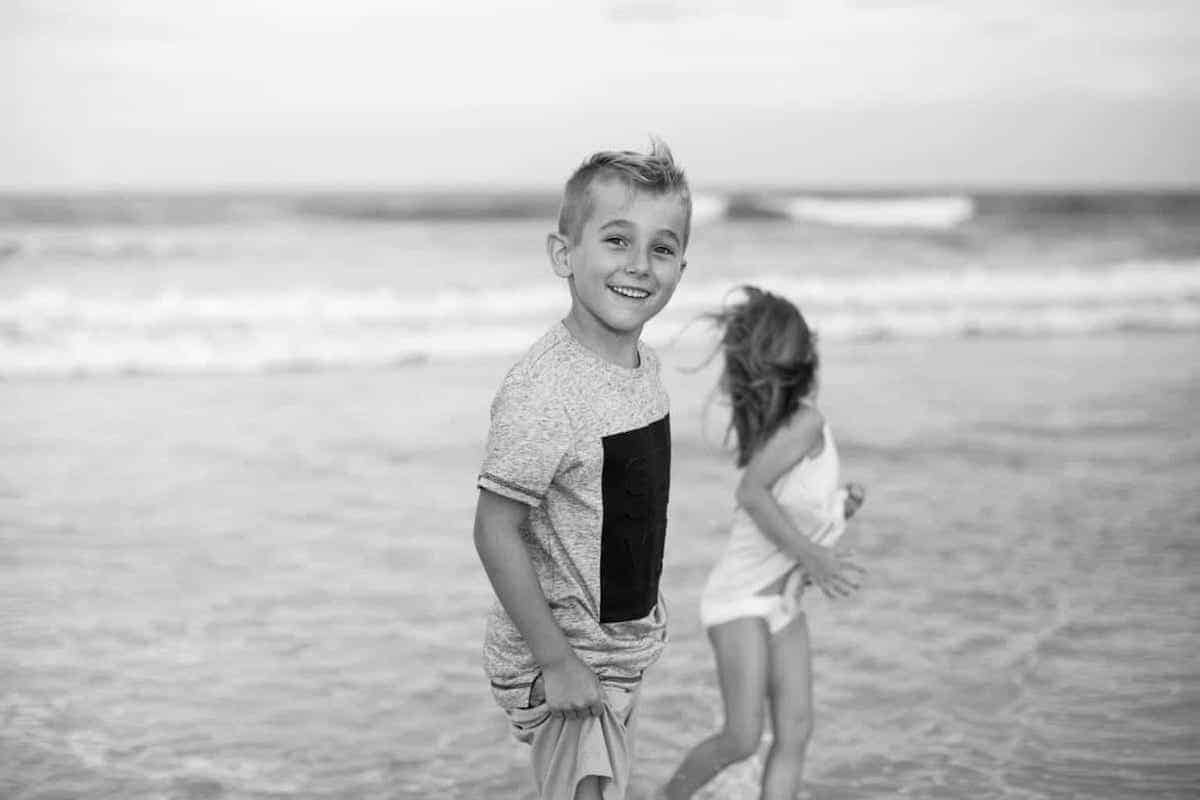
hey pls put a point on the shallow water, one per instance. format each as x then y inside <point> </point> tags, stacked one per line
<point>264,586</point>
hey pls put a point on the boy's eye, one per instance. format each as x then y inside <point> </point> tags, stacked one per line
<point>664,250</point>
<point>616,241</point>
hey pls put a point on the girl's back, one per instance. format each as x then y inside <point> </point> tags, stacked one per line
<point>809,489</point>
<point>813,485</point>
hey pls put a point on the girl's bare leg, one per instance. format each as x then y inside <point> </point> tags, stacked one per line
<point>741,649</point>
<point>789,689</point>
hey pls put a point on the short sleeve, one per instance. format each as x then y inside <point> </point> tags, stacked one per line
<point>529,436</point>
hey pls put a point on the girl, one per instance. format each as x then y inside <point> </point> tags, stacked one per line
<point>790,510</point>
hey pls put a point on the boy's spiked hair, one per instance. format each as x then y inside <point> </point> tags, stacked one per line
<point>654,172</point>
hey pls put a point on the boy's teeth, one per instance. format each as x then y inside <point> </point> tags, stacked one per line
<point>638,293</point>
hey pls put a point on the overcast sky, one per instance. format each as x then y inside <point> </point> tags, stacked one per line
<point>387,93</point>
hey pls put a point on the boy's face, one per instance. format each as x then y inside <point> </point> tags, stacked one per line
<point>627,257</point>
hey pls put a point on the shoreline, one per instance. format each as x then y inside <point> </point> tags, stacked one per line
<point>887,345</point>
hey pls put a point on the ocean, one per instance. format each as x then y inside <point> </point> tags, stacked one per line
<point>240,435</point>
<point>102,285</point>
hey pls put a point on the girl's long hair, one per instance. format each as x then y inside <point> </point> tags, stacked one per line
<point>770,365</point>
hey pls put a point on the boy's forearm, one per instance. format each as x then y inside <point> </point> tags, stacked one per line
<point>516,585</point>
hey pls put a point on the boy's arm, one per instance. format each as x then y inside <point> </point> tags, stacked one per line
<point>827,568</point>
<point>570,685</point>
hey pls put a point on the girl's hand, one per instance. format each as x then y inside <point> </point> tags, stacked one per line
<point>855,495</point>
<point>834,573</point>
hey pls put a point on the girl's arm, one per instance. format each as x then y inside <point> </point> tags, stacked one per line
<point>798,437</point>
<point>571,686</point>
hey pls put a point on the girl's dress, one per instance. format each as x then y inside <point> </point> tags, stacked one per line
<point>751,562</point>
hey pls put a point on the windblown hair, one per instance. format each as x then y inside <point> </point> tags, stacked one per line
<point>654,172</point>
<point>770,365</point>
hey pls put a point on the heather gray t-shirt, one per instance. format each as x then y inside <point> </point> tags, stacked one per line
<point>586,444</point>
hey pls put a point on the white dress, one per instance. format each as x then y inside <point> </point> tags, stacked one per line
<point>751,562</point>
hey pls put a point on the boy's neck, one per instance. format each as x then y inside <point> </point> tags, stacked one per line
<point>617,347</point>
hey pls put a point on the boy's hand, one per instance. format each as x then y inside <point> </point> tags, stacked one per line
<point>572,689</point>
<point>855,495</point>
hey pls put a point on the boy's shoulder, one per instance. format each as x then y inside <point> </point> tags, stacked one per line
<point>556,376</point>
<point>556,360</point>
<point>545,363</point>
<point>538,380</point>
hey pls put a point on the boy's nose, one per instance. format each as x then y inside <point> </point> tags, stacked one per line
<point>638,263</point>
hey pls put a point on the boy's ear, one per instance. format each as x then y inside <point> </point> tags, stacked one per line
<point>559,249</point>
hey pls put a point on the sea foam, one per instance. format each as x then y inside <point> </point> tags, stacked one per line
<point>937,213</point>
<point>49,332</point>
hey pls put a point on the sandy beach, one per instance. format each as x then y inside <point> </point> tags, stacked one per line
<point>264,586</point>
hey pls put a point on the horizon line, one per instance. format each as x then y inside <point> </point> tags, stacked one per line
<point>726,189</point>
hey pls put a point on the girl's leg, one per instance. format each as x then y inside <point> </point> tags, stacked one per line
<point>740,646</point>
<point>790,690</point>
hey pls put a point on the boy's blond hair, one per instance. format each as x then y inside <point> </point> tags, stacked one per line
<point>655,172</point>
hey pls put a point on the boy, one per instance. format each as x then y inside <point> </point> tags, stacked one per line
<point>572,505</point>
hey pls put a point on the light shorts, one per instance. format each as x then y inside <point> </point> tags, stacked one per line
<point>565,751</point>
<point>778,610</point>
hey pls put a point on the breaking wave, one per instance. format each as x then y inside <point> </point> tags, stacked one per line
<point>51,333</point>
<point>931,213</point>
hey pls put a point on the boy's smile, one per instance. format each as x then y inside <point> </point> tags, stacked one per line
<point>624,264</point>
